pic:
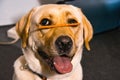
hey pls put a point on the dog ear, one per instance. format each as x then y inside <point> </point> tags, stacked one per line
<point>88,31</point>
<point>22,27</point>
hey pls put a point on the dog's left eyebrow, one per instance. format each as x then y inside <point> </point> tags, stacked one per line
<point>54,26</point>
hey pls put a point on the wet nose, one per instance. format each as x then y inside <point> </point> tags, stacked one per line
<point>64,44</point>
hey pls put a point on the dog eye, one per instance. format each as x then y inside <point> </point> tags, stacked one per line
<point>45,22</point>
<point>70,21</point>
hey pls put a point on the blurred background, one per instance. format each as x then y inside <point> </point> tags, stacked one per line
<point>103,14</point>
<point>101,63</point>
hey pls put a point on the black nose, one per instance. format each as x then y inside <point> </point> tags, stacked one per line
<point>63,44</point>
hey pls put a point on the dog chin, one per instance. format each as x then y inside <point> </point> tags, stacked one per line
<point>61,64</point>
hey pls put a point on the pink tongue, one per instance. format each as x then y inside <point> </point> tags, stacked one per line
<point>62,64</point>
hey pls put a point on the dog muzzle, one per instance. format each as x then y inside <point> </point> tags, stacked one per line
<point>61,63</point>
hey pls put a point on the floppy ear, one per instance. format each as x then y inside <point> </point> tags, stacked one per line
<point>22,27</point>
<point>88,31</point>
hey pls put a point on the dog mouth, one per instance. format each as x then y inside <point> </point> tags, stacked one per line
<point>60,63</point>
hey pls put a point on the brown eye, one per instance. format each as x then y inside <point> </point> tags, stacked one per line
<point>70,21</point>
<point>45,22</point>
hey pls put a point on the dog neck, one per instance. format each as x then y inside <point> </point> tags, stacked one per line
<point>26,67</point>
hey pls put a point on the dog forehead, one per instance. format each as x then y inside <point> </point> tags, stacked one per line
<point>55,9</point>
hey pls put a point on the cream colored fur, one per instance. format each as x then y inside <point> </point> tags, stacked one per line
<point>46,38</point>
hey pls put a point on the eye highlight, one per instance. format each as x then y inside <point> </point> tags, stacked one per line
<point>45,22</point>
<point>70,21</point>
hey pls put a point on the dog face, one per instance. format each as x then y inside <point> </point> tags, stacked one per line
<point>54,33</point>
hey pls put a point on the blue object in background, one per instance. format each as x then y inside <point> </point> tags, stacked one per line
<point>103,14</point>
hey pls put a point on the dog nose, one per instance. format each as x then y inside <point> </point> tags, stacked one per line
<point>64,44</point>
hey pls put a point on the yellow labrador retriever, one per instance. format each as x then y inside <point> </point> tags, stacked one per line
<point>52,41</point>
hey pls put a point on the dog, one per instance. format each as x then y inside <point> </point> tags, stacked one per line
<point>52,38</point>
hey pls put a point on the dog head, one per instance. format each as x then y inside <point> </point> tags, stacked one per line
<point>54,33</point>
